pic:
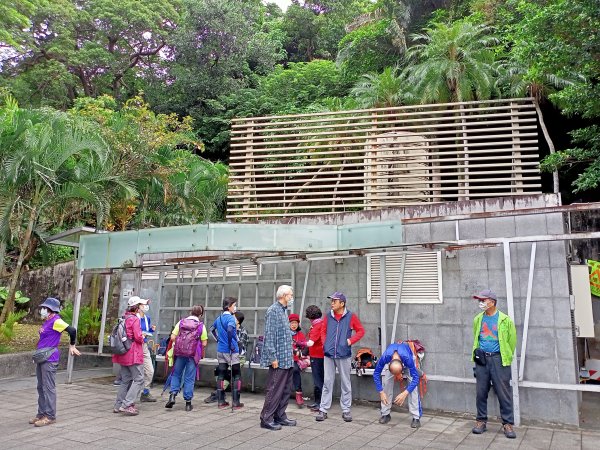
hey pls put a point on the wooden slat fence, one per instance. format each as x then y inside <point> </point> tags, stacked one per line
<point>339,161</point>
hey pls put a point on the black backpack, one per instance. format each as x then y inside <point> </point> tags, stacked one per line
<point>118,341</point>
<point>258,348</point>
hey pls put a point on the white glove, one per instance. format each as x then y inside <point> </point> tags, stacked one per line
<point>310,343</point>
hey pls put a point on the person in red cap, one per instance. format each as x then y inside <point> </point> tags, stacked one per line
<point>494,342</point>
<point>337,345</point>
<point>298,344</point>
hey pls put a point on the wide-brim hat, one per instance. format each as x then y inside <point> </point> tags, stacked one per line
<point>52,304</point>
<point>135,300</point>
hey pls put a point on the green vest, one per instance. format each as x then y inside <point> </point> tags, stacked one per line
<point>507,336</point>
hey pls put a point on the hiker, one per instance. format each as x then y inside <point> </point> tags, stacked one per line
<point>131,362</point>
<point>277,356</point>
<point>147,332</point>
<point>494,342</point>
<point>224,329</point>
<point>242,335</point>
<point>337,344</point>
<point>190,338</point>
<point>46,358</point>
<point>396,359</point>
<point>315,351</point>
<point>298,345</point>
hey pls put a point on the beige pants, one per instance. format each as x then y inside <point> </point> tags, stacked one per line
<point>148,367</point>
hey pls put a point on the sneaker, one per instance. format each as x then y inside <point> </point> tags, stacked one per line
<point>44,421</point>
<point>211,398</point>
<point>384,419</point>
<point>116,410</point>
<point>347,416</point>
<point>416,423</point>
<point>479,427</point>
<point>315,408</point>
<point>129,411</point>
<point>117,383</point>
<point>508,431</point>
<point>33,420</point>
<point>147,398</point>
<point>321,416</point>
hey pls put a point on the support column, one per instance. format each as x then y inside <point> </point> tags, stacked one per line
<point>527,308</point>
<point>382,303</point>
<point>104,309</point>
<point>511,313</point>
<point>76,308</point>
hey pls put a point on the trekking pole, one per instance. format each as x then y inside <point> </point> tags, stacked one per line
<point>231,378</point>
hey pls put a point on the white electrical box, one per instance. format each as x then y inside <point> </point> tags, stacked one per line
<point>584,317</point>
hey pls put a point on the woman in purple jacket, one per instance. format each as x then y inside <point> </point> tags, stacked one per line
<point>45,370</point>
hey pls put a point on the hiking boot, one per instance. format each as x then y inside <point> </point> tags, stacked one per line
<point>321,416</point>
<point>508,431</point>
<point>221,399</point>
<point>147,398</point>
<point>299,399</point>
<point>235,399</point>
<point>188,406</point>
<point>479,427</point>
<point>347,416</point>
<point>33,420</point>
<point>44,421</point>
<point>129,410</point>
<point>171,401</point>
<point>384,419</point>
<point>416,423</point>
<point>211,398</point>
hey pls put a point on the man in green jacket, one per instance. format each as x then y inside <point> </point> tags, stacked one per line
<point>494,341</point>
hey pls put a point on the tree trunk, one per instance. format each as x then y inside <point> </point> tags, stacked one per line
<point>2,256</point>
<point>14,281</point>
<point>555,185</point>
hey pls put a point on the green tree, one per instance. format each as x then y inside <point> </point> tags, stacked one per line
<point>382,90</point>
<point>73,48</point>
<point>49,160</point>
<point>452,63</point>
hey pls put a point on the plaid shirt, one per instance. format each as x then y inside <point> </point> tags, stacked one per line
<point>278,338</point>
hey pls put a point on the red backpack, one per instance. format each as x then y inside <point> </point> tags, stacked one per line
<point>186,343</point>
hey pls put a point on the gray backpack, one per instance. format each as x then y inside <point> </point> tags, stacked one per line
<point>118,341</point>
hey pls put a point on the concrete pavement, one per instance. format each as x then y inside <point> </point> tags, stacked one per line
<point>85,420</point>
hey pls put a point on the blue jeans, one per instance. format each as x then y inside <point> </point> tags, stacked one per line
<point>186,368</point>
<point>495,375</point>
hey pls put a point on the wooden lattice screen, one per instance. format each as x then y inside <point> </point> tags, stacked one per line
<point>351,160</point>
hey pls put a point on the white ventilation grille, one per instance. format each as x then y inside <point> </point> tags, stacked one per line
<point>422,281</point>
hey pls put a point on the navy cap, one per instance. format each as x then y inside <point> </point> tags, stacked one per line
<point>52,304</point>
<point>486,293</point>
<point>338,295</point>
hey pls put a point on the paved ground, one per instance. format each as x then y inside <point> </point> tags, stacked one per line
<point>86,420</point>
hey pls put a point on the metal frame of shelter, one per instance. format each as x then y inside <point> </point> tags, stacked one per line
<point>274,244</point>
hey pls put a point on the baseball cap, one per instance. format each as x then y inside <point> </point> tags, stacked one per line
<point>52,304</point>
<point>486,293</point>
<point>135,300</point>
<point>338,295</point>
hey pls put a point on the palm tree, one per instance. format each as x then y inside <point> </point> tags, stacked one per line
<point>452,63</point>
<point>381,90</point>
<point>49,161</point>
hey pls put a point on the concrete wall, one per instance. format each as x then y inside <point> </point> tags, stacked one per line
<point>445,329</point>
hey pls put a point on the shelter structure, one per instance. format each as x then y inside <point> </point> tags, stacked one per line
<point>409,271</point>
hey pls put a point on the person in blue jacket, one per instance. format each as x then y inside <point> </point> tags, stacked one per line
<point>224,329</point>
<point>396,360</point>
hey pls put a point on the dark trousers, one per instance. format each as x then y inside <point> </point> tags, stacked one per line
<point>296,377</point>
<point>46,387</point>
<point>496,375</point>
<point>318,375</point>
<point>277,396</point>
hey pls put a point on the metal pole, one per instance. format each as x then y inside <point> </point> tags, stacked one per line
<point>383,303</point>
<point>304,288</point>
<point>511,313</point>
<point>104,309</point>
<point>76,308</point>
<point>398,296</point>
<point>527,308</point>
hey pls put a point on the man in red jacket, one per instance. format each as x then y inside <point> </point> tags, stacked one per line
<point>132,362</point>
<point>337,344</point>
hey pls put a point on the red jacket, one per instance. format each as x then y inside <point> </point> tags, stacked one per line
<point>298,343</point>
<point>314,334</point>
<point>135,355</point>
<point>355,325</point>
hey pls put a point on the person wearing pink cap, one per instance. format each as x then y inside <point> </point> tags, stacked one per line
<point>494,342</point>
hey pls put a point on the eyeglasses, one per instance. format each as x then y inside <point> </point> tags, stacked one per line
<point>333,300</point>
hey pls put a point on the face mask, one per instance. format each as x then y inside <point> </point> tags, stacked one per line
<point>290,304</point>
<point>144,308</point>
<point>44,313</point>
<point>483,306</point>
<point>234,309</point>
